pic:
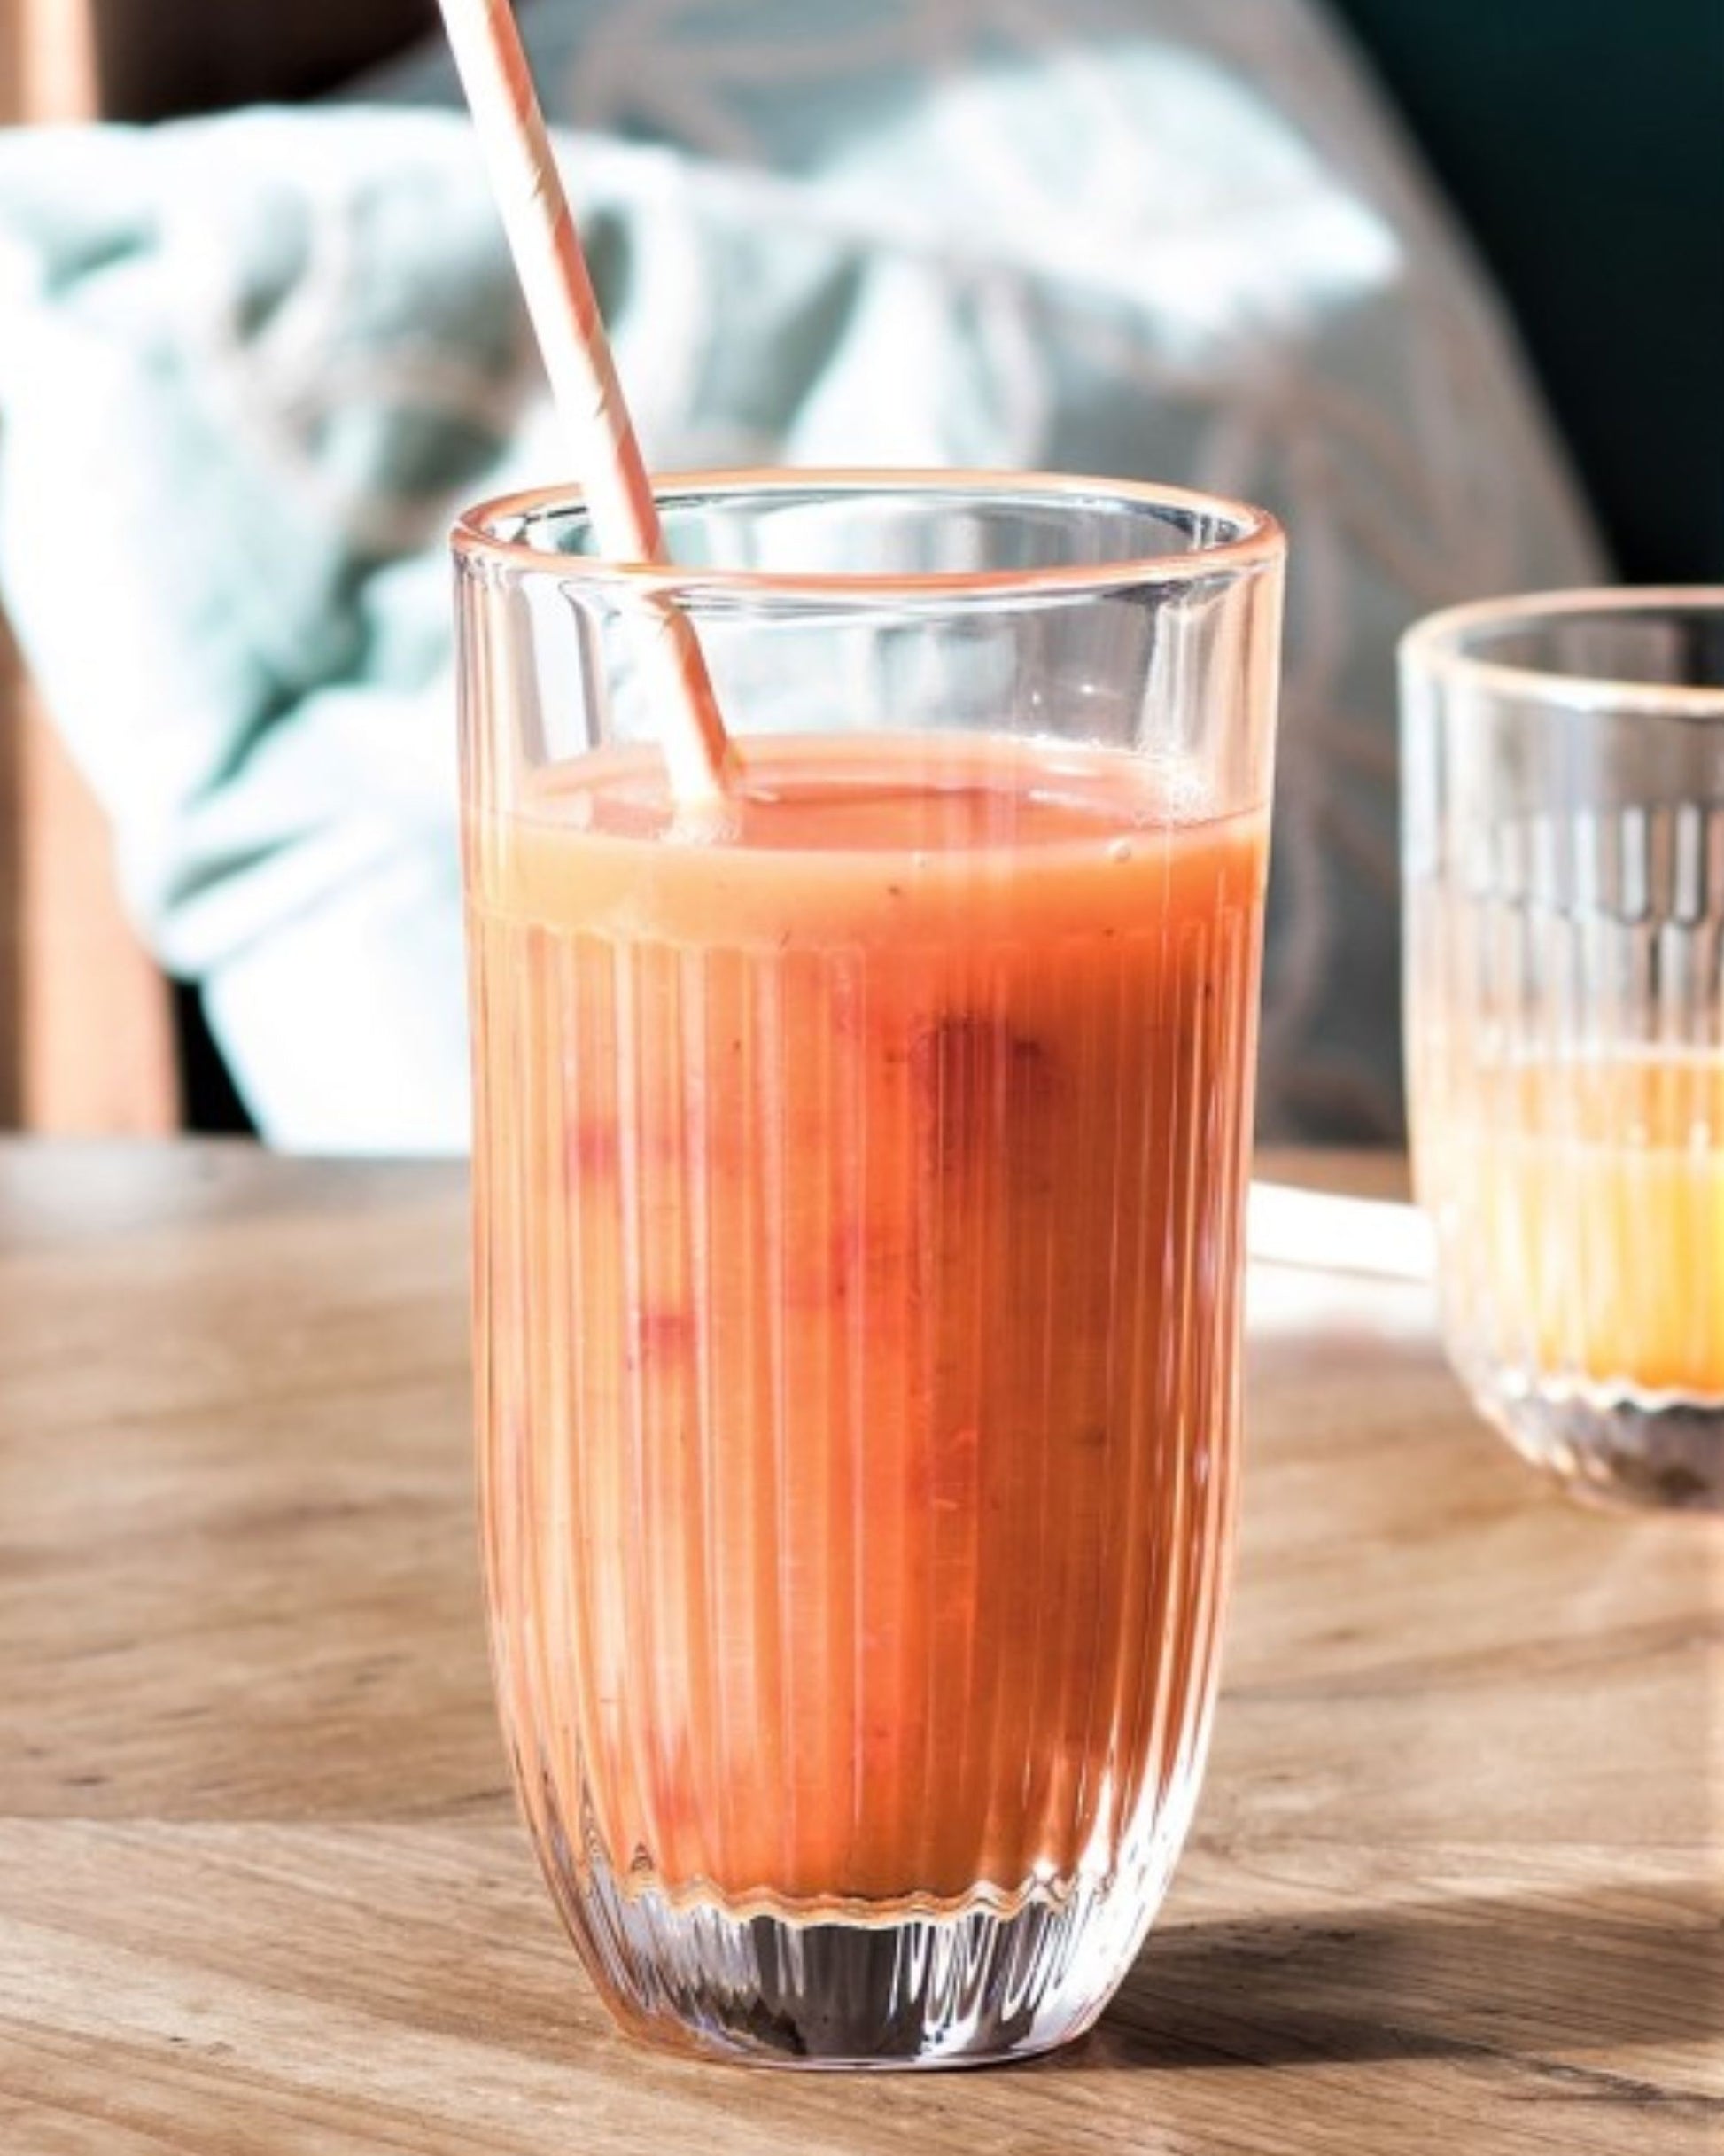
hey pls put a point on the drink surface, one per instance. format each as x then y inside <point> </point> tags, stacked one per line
<point>860,1205</point>
<point>1595,1188</point>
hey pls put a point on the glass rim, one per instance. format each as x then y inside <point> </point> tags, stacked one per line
<point>1437,647</point>
<point>1256,543</point>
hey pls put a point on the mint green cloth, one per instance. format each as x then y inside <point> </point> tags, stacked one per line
<point>249,367</point>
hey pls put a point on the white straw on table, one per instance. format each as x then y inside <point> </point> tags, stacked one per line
<point>582,375</point>
<point>1285,1226</point>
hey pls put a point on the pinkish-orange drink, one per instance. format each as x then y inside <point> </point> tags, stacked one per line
<point>859,1203</point>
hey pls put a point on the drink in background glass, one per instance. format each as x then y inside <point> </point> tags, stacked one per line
<point>858,1191</point>
<point>1563,771</point>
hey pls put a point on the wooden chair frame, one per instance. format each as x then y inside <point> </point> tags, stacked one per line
<point>87,1038</point>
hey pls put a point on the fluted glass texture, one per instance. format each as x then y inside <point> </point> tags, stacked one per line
<point>1565,763</point>
<point>857,1197</point>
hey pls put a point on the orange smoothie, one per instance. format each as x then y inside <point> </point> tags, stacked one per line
<point>860,1200</point>
<point>1595,1247</point>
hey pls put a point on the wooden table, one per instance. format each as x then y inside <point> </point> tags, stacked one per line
<point>1456,1885</point>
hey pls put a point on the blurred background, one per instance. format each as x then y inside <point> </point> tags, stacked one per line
<point>1577,144</point>
<point>93,1037</point>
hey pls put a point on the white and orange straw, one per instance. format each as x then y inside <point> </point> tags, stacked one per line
<point>583,374</point>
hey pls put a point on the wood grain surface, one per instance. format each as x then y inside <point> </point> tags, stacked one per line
<point>1456,1883</point>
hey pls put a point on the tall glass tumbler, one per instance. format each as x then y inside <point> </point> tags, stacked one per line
<point>1564,773</point>
<point>859,1190</point>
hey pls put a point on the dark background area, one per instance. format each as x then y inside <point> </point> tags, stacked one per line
<point>1582,143</point>
<point>153,61</point>
<point>210,1101</point>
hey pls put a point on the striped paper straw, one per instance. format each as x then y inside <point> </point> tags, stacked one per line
<point>583,374</point>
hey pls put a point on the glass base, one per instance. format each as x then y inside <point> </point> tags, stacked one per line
<point>1667,1456</point>
<point>913,1991</point>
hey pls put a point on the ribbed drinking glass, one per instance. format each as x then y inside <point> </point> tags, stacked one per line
<point>1563,768</point>
<point>858,1189</point>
